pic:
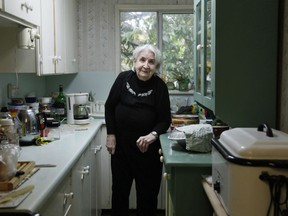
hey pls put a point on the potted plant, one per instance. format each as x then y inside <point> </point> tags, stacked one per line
<point>182,78</point>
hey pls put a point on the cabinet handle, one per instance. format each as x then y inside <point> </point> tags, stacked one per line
<point>68,209</point>
<point>97,149</point>
<point>200,46</point>
<point>84,172</point>
<point>74,60</point>
<point>166,176</point>
<point>57,59</point>
<point>66,197</point>
<point>160,151</point>
<point>161,159</point>
<point>27,6</point>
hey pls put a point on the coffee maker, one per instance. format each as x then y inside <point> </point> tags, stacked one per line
<point>77,108</point>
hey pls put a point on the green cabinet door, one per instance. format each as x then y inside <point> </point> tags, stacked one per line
<point>240,85</point>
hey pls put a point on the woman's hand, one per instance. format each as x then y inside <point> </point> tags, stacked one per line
<point>111,143</point>
<point>144,141</point>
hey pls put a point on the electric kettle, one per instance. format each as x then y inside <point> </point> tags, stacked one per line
<point>31,123</point>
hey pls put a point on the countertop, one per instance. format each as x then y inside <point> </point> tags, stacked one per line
<point>63,153</point>
<point>176,155</point>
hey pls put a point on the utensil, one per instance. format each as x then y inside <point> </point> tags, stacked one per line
<point>10,196</point>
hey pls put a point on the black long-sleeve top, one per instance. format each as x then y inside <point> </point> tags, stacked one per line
<point>135,108</point>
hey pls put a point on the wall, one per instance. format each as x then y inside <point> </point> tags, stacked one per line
<point>27,83</point>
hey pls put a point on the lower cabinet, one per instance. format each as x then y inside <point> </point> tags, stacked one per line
<point>81,184</point>
<point>78,193</point>
<point>185,194</point>
<point>60,202</point>
<point>183,172</point>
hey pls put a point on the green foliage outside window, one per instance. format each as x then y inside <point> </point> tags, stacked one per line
<point>176,41</point>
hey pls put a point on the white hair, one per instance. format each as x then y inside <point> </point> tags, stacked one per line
<point>151,48</point>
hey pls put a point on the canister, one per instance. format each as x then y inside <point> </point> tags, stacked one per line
<point>52,129</point>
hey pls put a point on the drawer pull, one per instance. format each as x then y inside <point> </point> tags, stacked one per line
<point>84,172</point>
<point>67,196</point>
<point>97,149</point>
<point>166,176</point>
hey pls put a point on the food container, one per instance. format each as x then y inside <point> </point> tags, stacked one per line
<point>243,161</point>
<point>195,138</point>
<point>184,119</point>
<point>52,129</point>
<point>9,154</point>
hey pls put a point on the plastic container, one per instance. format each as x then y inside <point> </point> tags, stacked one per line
<point>9,154</point>
<point>8,132</point>
<point>52,129</point>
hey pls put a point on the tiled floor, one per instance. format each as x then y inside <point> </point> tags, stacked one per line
<point>132,213</point>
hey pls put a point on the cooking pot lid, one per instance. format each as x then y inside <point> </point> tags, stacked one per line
<point>249,143</point>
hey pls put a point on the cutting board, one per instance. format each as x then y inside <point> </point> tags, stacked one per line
<point>26,167</point>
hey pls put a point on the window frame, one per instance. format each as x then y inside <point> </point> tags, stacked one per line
<point>162,9</point>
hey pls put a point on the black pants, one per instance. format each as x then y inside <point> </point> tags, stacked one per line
<point>146,170</point>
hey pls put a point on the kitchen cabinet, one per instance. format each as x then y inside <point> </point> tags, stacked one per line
<point>71,36</point>
<point>95,173</point>
<point>58,43</point>
<point>85,181</point>
<point>28,10</point>
<point>81,186</point>
<point>52,38</point>
<point>236,60</point>
<point>60,202</point>
<point>79,192</point>
<point>183,175</point>
<point>14,59</point>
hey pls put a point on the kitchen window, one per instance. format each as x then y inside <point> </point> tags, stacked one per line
<point>168,27</point>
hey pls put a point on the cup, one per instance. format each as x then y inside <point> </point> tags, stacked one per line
<point>100,106</point>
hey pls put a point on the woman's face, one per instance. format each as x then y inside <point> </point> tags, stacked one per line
<point>145,65</point>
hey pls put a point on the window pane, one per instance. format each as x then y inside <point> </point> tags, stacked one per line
<point>177,47</point>
<point>136,28</point>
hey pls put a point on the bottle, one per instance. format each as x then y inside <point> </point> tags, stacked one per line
<point>60,104</point>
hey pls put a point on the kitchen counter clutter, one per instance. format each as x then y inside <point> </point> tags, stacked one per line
<point>63,157</point>
<point>183,172</point>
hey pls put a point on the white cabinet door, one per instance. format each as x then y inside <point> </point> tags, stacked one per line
<point>51,41</point>
<point>60,202</point>
<point>95,174</point>
<point>27,10</point>
<point>58,43</point>
<point>81,186</point>
<point>59,23</point>
<point>71,37</point>
<point>47,42</point>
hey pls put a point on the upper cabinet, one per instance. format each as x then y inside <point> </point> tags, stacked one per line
<point>236,60</point>
<point>27,10</point>
<point>58,44</point>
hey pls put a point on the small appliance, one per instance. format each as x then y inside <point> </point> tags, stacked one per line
<point>77,108</point>
<point>247,165</point>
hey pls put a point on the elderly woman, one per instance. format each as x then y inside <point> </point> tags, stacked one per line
<point>137,111</point>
